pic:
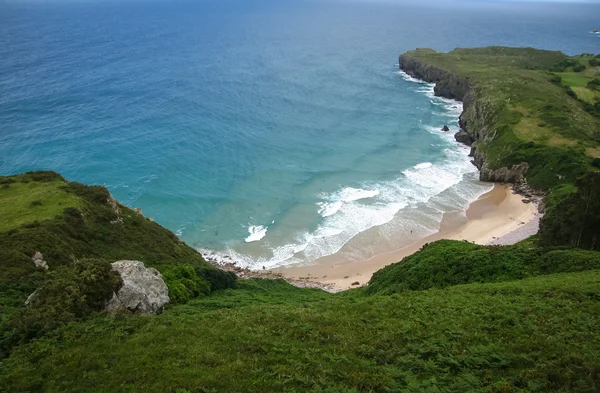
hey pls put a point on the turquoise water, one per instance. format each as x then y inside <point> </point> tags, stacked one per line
<point>271,131</point>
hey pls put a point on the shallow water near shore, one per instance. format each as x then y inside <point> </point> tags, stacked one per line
<point>274,133</point>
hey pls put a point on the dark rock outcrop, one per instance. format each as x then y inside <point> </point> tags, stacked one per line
<point>476,121</point>
<point>445,129</point>
<point>463,136</point>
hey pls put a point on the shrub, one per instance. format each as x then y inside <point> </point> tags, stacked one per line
<point>42,176</point>
<point>7,180</point>
<point>447,262</point>
<point>184,284</point>
<point>594,84</point>
<point>579,68</point>
<point>575,219</point>
<point>566,261</point>
<point>596,162</point>
<point>556,79</point>
<point>36,203</point>
<point>94,194</point>
<point>594,63</point>
<point>67,294</point>
<point>217,278</point>
<point>570,91</point>
<point>562,65</point>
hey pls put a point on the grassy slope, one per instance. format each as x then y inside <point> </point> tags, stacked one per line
<point>448,262</point>
<point>578,81</point>
<point>24,203</point>
<point>407,332</point>
<point>535,335</point>
<point>73,222</point>
<point>533,119</point>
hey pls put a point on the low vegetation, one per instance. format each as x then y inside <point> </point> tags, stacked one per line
<point>447,263</point>
<point>542,108</point>
<point>453,317</point>
<point>533,335</point>
<point>573,217</point>
<point>536,107</point>
<point>70,223</point>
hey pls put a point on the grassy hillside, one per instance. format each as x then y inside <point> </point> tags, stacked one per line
<point>530,106</point>
<point>69,222</point>
<point>453,317</point>
<point>581,79</point>
<point>23,200</point>
<point>448,262</point>
<point>535,335</point>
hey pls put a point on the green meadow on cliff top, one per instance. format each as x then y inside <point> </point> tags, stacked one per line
<point>453,317</point>
<point>539,107</point>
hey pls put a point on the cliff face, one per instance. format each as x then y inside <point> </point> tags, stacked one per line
<point>477,118</point>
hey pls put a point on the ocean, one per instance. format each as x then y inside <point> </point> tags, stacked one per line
<point>272,132</point>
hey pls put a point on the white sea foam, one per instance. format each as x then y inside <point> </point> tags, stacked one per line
<point>409,78</point>
<point>348,194</point>
<point>257,232</point>
<point>448,184</point>
<point>334,202</point>
<point>327,209</point>
<point>423,165</point>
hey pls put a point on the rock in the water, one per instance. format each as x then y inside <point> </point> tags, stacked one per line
<point>143,290</point>
<point>445,129</point>
<point>472,152</point>
<point>462,137</point>
<point>38,259</point>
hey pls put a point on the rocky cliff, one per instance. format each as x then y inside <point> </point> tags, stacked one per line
<point>477,119</point>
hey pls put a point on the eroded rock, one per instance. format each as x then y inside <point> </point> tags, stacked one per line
<point>115,206</point>
<point>463,137</point>
<point>38,259</point>
<point>512,174</point>
<point>144,290</point>
<point>31,297</point>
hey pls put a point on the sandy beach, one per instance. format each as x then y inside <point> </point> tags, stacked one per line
<point>497,217</point>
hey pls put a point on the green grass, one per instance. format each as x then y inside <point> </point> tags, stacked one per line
<point>92,228</point>
<point>578,81</point>
<point>520,114</point>
<point>534,335</point>
<point>449,262</point>
<point>454,317</point>
<point>26,202</point>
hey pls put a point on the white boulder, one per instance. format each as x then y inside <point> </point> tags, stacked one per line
<point>38,259</point>
<point>144,290</point>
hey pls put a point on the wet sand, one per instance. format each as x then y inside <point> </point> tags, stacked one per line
<point>494,216</point>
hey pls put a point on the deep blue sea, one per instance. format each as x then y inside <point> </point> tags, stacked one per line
<point>273,131</point>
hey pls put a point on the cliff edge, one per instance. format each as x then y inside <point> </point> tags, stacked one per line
<point>521,125</point>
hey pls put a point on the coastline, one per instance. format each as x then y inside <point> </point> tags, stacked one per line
<point>503,216</point>
<point>498,217</point>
